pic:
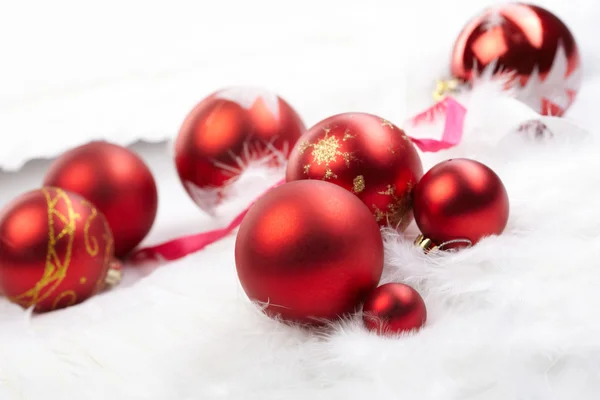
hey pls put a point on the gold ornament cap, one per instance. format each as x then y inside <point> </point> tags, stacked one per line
<point>114,274</point>
<point>425,243</point>
<point>445,87</point>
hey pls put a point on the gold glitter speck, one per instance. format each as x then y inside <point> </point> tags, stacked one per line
<point>358,184</point>
<point>385,122</point>
<point>82,280</point>
<point>347,135</point>
<point>306,168</point>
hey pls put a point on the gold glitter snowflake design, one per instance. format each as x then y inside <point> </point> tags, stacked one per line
<point>397,208</point>
<point>326,151</point>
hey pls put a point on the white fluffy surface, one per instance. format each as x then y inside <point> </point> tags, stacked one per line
<point>513,318</point>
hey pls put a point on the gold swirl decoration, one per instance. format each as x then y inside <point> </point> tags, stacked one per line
<point>91,243</point>
<point>67,294</point>
<point>55,269</point>
<point>108,256</point>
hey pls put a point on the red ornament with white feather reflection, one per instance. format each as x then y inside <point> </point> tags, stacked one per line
<point>225,133</point>
<point>529,47</point>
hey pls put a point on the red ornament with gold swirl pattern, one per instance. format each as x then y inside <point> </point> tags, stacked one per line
<point>526,45</point>
<point>365,154</point>
<point>56,250</point>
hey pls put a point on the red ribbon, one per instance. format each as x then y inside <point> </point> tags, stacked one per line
<point>182,246</point>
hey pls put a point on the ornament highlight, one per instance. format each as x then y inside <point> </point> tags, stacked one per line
<point>457,203</point>
<point>394,308</point>
<point>366,155</point>
<point>529,47</point>
<point>228,131</point>
<point>308,251</point>
<point>56,250</point>
<point>117,182</point>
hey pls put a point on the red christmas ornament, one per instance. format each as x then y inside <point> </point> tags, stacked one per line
<point>226,132</point>
<point>394,308</point>
<point>458,202</point>
<point>116,181</point>
<point>365,155</point>
<point>56,250</point>
<point>531,44</point>
<point>309,251</point>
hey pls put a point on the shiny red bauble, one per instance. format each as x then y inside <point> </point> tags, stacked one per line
<point>56,249</point>
<point>529,42</point>
<point>461,201</point>
<point>228,131</point>
<point>366,155</point>
<point>394,308</point>
<point>309,251</point>
<point>117,182</point>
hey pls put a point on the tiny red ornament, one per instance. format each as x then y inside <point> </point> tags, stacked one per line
<point>458,202</point>
<point>394,308</point>
<point>532,45</point>
<point>366,155</point>
<point>309,251</point>
<point>117,182</point>
<point>56,250</point>
<point>225,133</point>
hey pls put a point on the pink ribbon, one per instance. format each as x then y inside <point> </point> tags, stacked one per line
<point>183,246</point>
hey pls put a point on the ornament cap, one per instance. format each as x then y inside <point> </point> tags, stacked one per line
<point>425,243</point>
<point>444,87</point>
<point>114,274</point>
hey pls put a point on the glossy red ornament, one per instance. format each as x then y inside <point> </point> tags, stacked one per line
<point>226,132</point>
<point>460,200</point>
<point>309,251</point>
<point>529,42</point>
<point>394,308</point>
<point>366,155</point>
<point>56,250</point>
<point>117,182</point>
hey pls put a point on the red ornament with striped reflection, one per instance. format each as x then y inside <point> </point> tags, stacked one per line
<point>366,155</point>
<point>226,133</point>
<point>531,47</point>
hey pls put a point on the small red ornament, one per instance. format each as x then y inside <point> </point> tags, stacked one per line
<point>226,132</point>
<point>309,250</point>
<point>530,43</point>
<point>458,202</point>
<point>365,155</point>
<point>394,308</point>
<point>56,250</point>
<point>117,182</point>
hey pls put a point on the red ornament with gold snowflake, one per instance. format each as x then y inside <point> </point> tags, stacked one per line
<point>365,154</point>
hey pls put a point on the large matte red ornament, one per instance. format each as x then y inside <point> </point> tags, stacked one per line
<point>394,308</point>
<point>117,182</point>
<point>459,201</point>
<point>56,250</point>
<point>529,42</point>
<point>228,131</point>
<point>309,251</point>
<point>366,155</point>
